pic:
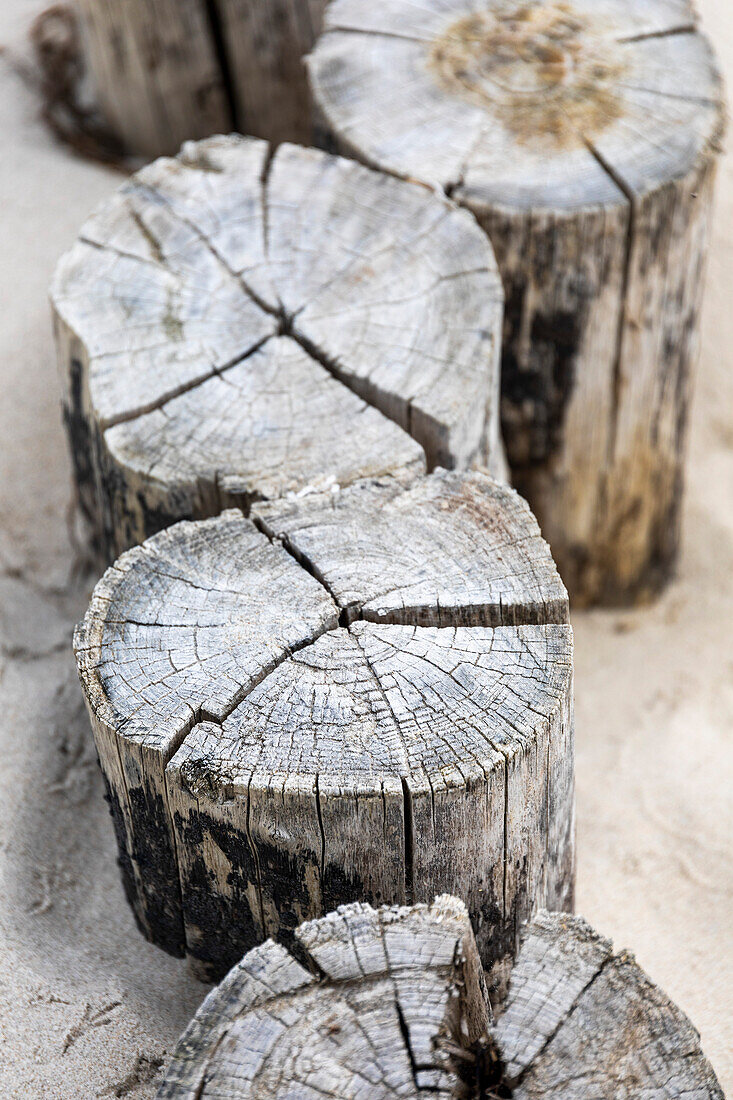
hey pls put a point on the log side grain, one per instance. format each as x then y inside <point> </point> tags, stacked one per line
<point>369,697</point>
<point>583,136</point>
<point>171,70</point>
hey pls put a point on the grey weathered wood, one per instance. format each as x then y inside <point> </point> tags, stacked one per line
<point>285,732</point>
<point>170,70</point>
<point>454,549</point>
<point>401,991</point>
<point>233,326</point>
<point>267,41</point>
<point>393,1004</point>
<point>179,628</point>
<point>583,137</point>
<point>582,1022</point>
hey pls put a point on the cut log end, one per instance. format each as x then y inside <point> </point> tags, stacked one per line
<point>366,696</point>
<point>583,136</point>
<point>392,1002</point>
<point>580,1020</point>
<point>236,325</point>
<point>389,1003</point>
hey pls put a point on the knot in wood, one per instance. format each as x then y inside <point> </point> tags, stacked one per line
<point>543,68</point>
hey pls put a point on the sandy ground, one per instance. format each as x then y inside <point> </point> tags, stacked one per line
<point>87,1008</point>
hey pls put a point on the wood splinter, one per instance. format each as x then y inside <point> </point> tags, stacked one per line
<point>364,695</point>
<point>392,1003</point>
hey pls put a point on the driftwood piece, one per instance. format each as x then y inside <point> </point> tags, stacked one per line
<point>583,137</point>
<point>393,1004</point>
<point>399,993</point>
<point>233,326</point>
<point>390,722</point>
<point>170,70</point>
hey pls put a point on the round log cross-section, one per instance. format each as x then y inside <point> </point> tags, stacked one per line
<point>392,1003</point>
<point>168,70</point>
<point>399,1003</point>
<point>234,325</point>
<point>583,135</point>
<point>363,695</point>
<point>580,1021</point>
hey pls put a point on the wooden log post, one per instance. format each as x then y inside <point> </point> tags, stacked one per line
<point>170,70</point>
<point>392,1003</point>
<point>362,695</point>
<point>583,135</point>
<point>581,1021</point>
<point>235,325</point>
<point>388,1003</point>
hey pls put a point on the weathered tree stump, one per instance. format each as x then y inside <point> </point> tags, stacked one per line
<point>393,1003</point>
<point>583,136</point>
<point>580,1021</point>
<point>233,326</point>
<point>398,997</point>
<point>168,70</point>
<point>383,713</point>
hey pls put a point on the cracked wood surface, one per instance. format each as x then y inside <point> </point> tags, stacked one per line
<point>393,1003</point>
<point>237,325</point>
<point>583,136</point>
<point>366,696</point>
<point>582,1022</point>
<point>176,69</point>
<point>397,992</point>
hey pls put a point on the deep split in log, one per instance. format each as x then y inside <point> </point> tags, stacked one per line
<point>387,1002</point>
<point>583,135</point>
<point>235,325</point>
<point>168,70</point>
<point>392,1003</point>
<point>362,695</point>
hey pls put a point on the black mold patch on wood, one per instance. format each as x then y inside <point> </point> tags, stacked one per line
<point>124,861</point>
<point>338,888</point>
<point>219,929</point>
<point>283,884</point>
<point>154,854</point>
<point>535,393</point>
<point>79,435</point>
<point>122,528</point>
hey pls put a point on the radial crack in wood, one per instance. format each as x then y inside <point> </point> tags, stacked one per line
<point>583,135</point>
<point>452,550</point>
<point>224,317</point>
<point>580,1021</point>
<point>178,628</point>
<point>384,763</point>
<point>392,1003</point>
<point>400,994</point>
<point>265,764</point>
<point>271,425</point>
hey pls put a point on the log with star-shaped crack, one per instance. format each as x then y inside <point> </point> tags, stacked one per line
<point>236,325</point>
<point>363,695</point>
